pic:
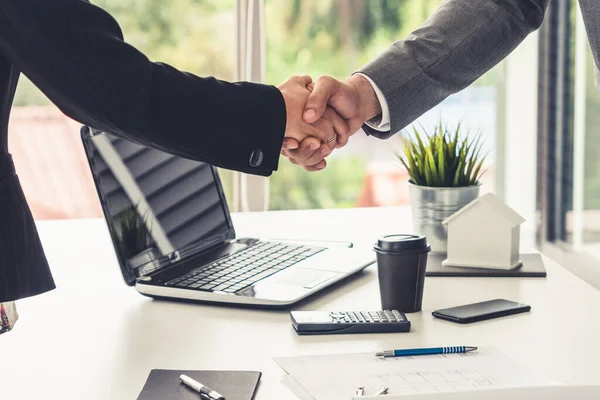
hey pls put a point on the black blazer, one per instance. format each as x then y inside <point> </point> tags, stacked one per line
<point>74,52</point>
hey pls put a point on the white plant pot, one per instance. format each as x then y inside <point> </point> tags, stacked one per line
<point>432,205</point>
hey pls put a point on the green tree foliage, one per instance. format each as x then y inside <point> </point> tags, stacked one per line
<point>314,37</point>
<point>335,37</point>
<point>338,186</point>
<point>330,37</point>
<point>197,36</point>
<point>592,146</point>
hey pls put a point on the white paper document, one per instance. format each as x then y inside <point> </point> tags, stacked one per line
<point>336,377</point>
<point>560,392</point>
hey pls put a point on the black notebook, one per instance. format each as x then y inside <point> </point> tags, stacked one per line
<point>164,384</point>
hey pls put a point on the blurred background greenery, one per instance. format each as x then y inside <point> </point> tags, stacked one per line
<point>314,37</point>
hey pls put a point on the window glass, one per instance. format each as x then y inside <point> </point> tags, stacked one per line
<point>193,35</point>
<point>591,207</point>
<point>337,37</point>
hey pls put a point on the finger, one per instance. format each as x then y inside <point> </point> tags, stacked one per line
<point>309,147</point>
<point>290,143</point>
<point>326,125</point>
<point>307,157</point>
<point>304,80</point>
<point>322,130</point>
<point>340,127</point>
<point>324,88</point>
<point>317,167</point>
<point>318,155</point>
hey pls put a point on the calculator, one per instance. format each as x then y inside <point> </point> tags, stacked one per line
<point>337,322</point>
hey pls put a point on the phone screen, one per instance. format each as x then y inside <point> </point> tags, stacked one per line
<point>480,311</point>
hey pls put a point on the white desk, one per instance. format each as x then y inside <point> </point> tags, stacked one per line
<point>96,338</point>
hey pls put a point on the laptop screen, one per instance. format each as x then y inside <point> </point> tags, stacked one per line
<point>159,208</point>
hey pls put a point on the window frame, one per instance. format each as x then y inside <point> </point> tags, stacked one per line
<point>250,192</point>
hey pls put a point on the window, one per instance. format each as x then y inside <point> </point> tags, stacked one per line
<point>194,35</point>
<point>315,37</point>
<point>336,37</point>
<point>584,223</point>
<point>568,143</point>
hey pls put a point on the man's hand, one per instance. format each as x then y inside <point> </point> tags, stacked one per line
<point>353,99</point>
<point>326,130</point>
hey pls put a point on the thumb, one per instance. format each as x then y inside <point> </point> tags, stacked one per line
<point>323,89</point>
<point>290,144</point>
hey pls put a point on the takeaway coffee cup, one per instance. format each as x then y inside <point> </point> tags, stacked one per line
<point>401,263</point>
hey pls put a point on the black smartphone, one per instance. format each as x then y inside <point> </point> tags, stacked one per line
<point>481,311</point>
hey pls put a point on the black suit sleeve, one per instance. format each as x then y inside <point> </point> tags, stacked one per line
<point>75,53</point>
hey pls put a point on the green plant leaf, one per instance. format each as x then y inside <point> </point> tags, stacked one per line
<point>481,174</point>
<point>441,161</point>
<point>474,178</point>
<point>432,167</point>
<point>413,171</point>
<point>408,169</point>
<point>474,157</point>
<point>421,145</point>
<point>457,176</point>
<point>428,176</point>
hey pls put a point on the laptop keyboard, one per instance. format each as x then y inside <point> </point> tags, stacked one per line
<point>244,268</point>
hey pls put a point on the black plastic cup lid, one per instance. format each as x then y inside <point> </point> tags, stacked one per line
<point>402,242</point>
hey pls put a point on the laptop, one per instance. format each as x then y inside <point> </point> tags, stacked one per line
<point>174,238</point>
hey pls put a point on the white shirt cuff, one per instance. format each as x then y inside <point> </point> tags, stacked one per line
<point>379,123</point>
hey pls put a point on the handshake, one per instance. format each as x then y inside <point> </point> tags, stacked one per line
<point>322,115</point>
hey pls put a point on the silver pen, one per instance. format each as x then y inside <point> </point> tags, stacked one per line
<point>205,391</point>
<point>382,391</point>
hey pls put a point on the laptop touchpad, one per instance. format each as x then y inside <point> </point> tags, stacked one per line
<point>308,278</point>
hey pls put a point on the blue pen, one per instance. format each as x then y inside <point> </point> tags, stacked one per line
<point>422,352</point>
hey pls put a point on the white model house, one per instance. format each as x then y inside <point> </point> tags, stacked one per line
<point>484,234</point>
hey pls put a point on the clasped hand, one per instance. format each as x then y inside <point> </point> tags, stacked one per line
<point>322,115</point>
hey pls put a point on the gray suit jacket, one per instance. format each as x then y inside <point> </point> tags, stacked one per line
<point>460,42</point>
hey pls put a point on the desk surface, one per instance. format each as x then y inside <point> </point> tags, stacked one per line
<point>95,338</point>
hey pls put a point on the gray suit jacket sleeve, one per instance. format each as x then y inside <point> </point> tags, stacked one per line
<point>590,10</point>
<point>460,42</point>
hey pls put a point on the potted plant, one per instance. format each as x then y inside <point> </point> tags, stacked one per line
<point>445,170</point>
<point>135,241</point>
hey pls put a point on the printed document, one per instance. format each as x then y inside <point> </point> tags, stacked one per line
<point>336,377</point>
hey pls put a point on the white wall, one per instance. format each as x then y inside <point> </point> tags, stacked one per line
<point>520,163</point>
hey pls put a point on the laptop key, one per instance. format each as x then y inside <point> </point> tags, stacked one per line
<point>208,286</point>
<point>262,275</point>
<point>247,282</point>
